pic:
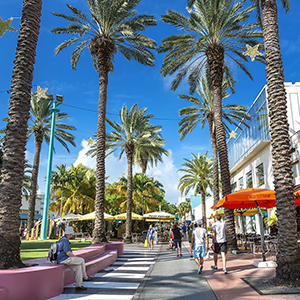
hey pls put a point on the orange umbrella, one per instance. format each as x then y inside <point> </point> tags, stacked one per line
<point>248,198</point>
<point>297,197</point>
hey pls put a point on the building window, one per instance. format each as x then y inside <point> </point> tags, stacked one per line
<point>249,179</point>
<point>260,175</point>
<point>296,170</point>
<point>233,187</point>
<point>241,183</point>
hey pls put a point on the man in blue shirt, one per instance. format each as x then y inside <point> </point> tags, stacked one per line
<point>65,256</point>
<point>183,228</point>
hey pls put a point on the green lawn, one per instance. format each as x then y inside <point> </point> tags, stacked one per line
<point>37,249</point>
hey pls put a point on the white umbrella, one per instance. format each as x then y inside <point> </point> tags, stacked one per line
<point>159,215</point>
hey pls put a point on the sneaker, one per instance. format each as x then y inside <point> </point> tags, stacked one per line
<point>200,269</point>
<point>224,270</point>
<point>214,268</point>
<point>80,288</point>
<point>180,254</point>
<point>88,279</point>
<point>177,255</point>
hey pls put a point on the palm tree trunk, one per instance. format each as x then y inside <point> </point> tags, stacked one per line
<point>129,155</point>
<point>215,58</point>
<point>288,257</point>
<point>62,199</point>
<point>99,229</point>
<point>16,135</point>
<point>203,209</point>
<point>143,163</point>
<point>33,185</point>
<point>213,141</point>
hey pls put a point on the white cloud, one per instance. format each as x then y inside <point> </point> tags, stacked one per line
<point>165,172</point>
<point>114,167</point>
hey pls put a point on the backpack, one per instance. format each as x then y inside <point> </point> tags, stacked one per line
<point>52,253</point>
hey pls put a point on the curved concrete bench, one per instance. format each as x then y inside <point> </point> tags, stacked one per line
<point>47,279</point>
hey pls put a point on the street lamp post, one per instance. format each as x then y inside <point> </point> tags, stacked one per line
<point>49,170</point>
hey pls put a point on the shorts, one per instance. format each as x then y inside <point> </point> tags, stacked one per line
<point>199,251</point>
<point>220,247</point>
<point>177,241</point>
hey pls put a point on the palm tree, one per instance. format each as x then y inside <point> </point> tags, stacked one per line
<point>26,179</point>
<point>152,154</point>
<point>215,29</point>
<point>198,177</point>
<point>288,251</point>
<point>16,135</point>
<point>1,154</point>
<point>184,208</point>
<point>59,179</point>
<point>202,111</point>
<point>114,25</point>
<point>40,127</point>
<point>79,192</point>
<point>133,133</point>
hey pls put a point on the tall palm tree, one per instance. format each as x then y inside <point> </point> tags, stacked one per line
<point>215,29</point>
<point>288,252</point>
<point>16,135</point>
<point>113,25</point>
<point>59,179</point>
<point>198,177</point>
<point>202,111</point>
<point>40,128</point>
<point>133,133</point>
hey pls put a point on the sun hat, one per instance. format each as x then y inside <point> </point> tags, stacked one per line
<point>69,230</point>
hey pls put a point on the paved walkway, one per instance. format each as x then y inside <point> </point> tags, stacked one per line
<point>174,278</point>
<point>159,274</point>
<point>120,280</point>
<point>231,286</point>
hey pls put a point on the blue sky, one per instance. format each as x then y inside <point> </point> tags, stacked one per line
<point>129,83</point>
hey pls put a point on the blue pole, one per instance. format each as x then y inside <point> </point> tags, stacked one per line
<point>49,170</point>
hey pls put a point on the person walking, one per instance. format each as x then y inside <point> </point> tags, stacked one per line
<point>150,237</point>
<point>219,241</point>
<point>183,228</point>
<point>199,241</point>
<point>177,238</point>
<point>65,256</point>
<point>190,232</point>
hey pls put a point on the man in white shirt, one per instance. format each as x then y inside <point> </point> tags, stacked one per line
<point>199,240</point>
<point>219,241</point>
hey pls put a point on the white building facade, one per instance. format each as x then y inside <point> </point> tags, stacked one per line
<point>249,153</point>
<point>250,158</point>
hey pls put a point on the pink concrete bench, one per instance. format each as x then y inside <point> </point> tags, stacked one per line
<point>47,280</point>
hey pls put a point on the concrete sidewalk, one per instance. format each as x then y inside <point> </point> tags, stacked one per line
<point>174,278</point>
<point>231,286</point>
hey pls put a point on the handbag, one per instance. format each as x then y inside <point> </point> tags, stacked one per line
<point>146,243</point>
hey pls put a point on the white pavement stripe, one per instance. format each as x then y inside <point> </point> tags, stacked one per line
<point>120,263</point>
<point>120,275</point>
<point>135,259</point>
<point>126,268</point>
<point>109,285</point>
<point>92,297</point>
<point>140,252</point>
<point>137,255</point>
